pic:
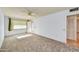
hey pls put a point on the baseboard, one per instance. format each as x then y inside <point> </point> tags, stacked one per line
<point>48,37</point>
<point>14,34</point>
<point>41,35</point>
<point>1,42</point>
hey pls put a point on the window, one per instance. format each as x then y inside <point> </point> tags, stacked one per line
<point>16,24</point>
<point>19,24</point>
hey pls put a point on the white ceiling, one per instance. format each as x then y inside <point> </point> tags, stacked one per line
<point>22,12</point>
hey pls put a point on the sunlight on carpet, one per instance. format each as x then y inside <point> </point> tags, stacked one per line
<point>23,36</point>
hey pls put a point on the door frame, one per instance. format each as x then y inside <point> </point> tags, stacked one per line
<point>67,25</point>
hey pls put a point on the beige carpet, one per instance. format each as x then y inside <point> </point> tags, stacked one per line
<point>33,43</point>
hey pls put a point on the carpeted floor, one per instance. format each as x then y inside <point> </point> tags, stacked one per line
<point>34,43</point>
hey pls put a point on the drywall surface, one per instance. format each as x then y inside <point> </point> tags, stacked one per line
<point>6,32</point>
<point>52,26</point>
<point>1,27</point>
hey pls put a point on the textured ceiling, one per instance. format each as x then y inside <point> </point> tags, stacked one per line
<point>22,12</point>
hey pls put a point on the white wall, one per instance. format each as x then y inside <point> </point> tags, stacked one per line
<point>1,27</point>
<point>6,32</point>
<point>29,27</point>
<point>52,26</point>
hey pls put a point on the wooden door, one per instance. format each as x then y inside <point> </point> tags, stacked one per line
<point>71,27</point>
<point>78,27</point>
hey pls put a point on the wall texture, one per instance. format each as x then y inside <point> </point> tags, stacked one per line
<point>53,25</point>
<point>1,27</point>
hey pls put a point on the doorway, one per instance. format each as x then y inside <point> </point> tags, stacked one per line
<point>73,30</point>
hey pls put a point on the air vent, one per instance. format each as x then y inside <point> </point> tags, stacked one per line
<point>74,9</point>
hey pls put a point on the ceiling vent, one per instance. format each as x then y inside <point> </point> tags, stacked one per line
<point>74,9</point>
